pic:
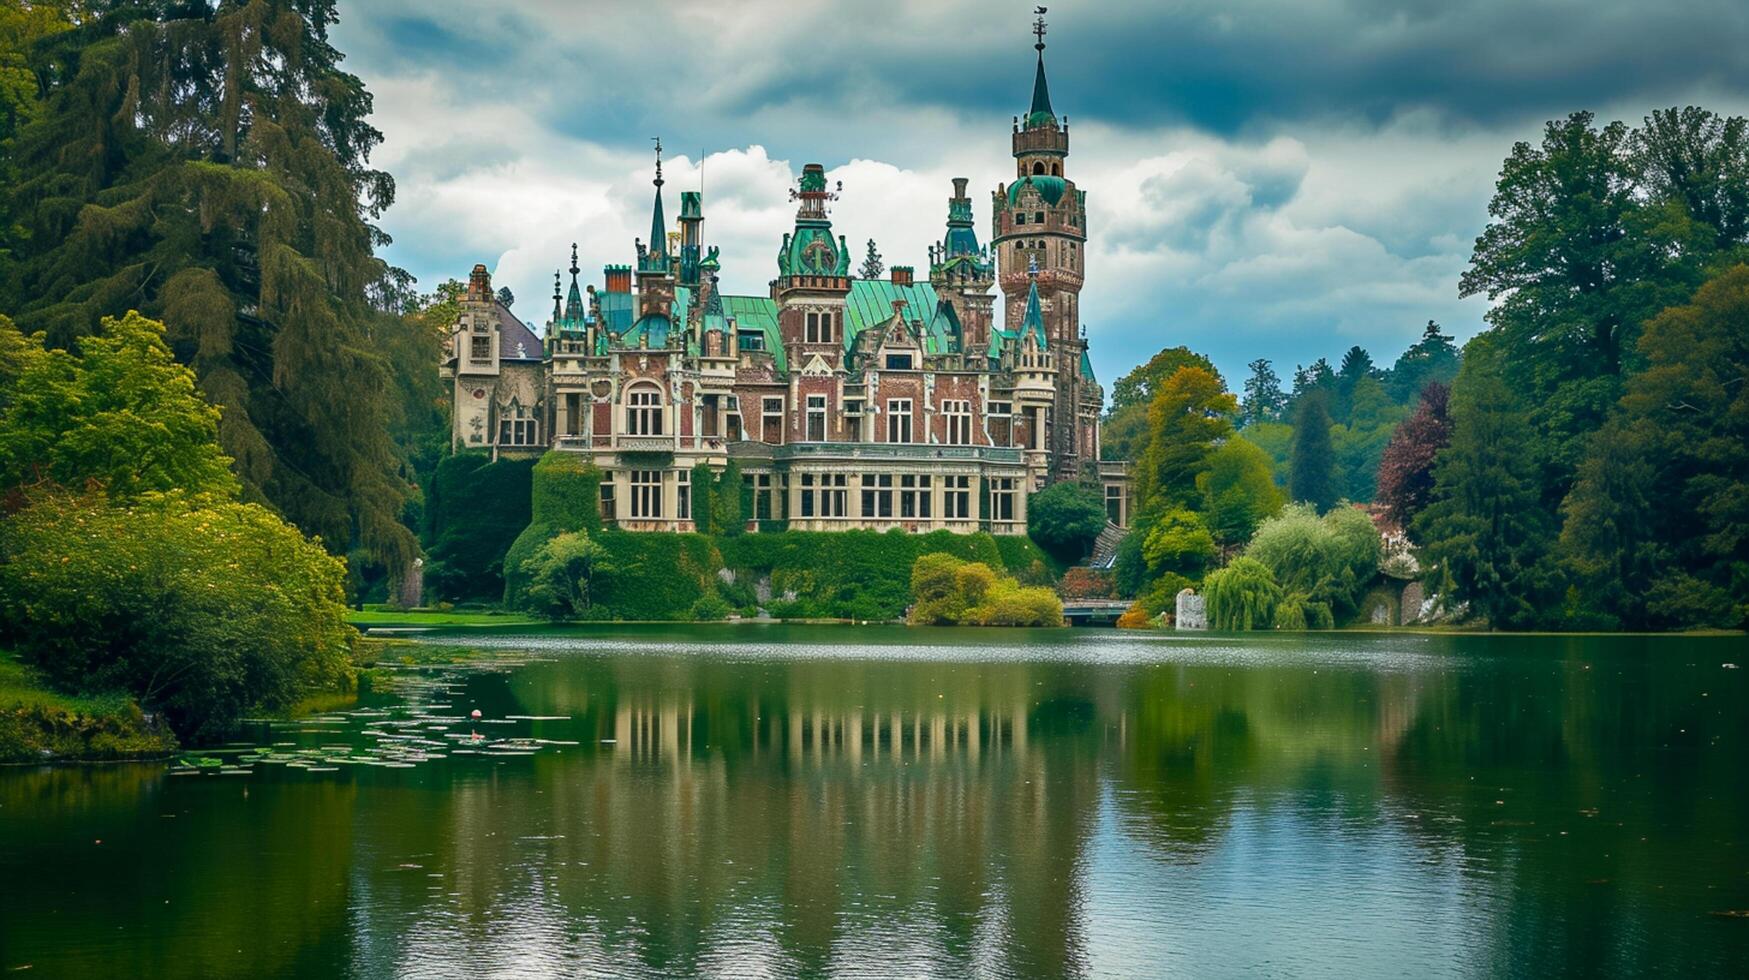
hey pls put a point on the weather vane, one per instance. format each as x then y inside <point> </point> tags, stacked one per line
<point>658,142</point>
<point>1038,27</point>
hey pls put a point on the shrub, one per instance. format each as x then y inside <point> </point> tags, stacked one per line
<point>560,573</point>
<point>954,592</point>
<point>565,492</point>
<point>1331,559</point>
<point>710,607</point>
<point>1085,583</point>
<point>1242,596</point>
<point>202,609</point>
<point>1064,518</point>
<point>1178,541</point>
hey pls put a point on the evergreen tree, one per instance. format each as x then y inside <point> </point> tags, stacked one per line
<point>1484,532</point>
<point>1356,366</point>
<point>206,164</point>
<point>871,263</point>
<point>1312,476</point>
<point>1264,400</point>
<point>1433,358</point>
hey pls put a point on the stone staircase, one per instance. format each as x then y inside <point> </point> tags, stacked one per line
<point>1105,546</point>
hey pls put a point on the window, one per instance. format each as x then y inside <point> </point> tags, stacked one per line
<point>1039,219</point>
<point>898,420</point>
<point>956,498</point>
<point>516,428</point>
<point>771,420</point>
<point>646,493</point>
<point>609,512</point>
<point>480,349</point>
<point>1038,168</point>
<point>1020,219</point>
<point>762,487</point>
<point>683,496</point>
<point>877,496</point>
<point>1002,498</point>
<point>914,493</point>
<point>819,330</point>
<point>644,412</point>
<point>959,422</point>
<point>816,418</point>
<point>750,339</point>
<point>732,419</point>
<point>898,362</point>
<point>1001,424</point>
<point>1114,504</point>
<point>807,495</point>
<point>823,495</point>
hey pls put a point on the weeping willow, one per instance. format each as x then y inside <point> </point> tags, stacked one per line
<point>205,162</point>
<point>1242,596</point>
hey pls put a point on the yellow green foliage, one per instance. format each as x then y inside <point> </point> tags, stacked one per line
<point>951,592</point>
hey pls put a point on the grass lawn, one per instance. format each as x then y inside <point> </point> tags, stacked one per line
<point>374,615</point>
<point>37,724</point>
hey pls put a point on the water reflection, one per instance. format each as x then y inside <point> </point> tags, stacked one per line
<point>821,802</point>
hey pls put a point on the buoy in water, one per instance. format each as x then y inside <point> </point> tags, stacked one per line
<point>476,714</point>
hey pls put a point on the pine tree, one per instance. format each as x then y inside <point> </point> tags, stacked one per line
<point>1264,400</point>
<point>1312,476</point>
<point>1356,366</point>
<point>871,263</point>
<point>206,164</point>
<point>1432,358</point>
<point>1485,535</point>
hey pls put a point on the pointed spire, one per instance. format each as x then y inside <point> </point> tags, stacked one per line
<point>1041,113</point>
<point>1034,321</point>
<point>574,300</point>
<point>558,311</point>
<point>658,225</point>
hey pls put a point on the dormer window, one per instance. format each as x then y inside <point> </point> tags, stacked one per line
<point>898,362</point>
<point>480,348</point>
<point>1020,218</point>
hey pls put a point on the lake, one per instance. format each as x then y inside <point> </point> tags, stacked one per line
<point>880,801</point>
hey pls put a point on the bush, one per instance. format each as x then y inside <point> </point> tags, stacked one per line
<point>654,576</point>
<point>1242,596</point>
<point>1330,559</point>
<point>711,607</point>
<point>1064,518</point>
<point>202,609</point>
<point>1178,541</point>
<point>951,592</point>
<point>560,574</point>
<point>1085,583</point>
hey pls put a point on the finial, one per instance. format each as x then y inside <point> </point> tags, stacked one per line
<point>556,285</point>
<point>574,269</point>
<point>1038,28</point>
<point>658,141</point>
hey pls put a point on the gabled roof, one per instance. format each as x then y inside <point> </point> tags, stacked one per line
<point>516,341</point>
<point>870,303</point>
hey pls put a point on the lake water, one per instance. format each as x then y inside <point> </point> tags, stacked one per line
<point>834,801</point>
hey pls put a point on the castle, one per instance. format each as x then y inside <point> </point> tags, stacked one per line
<point>844,402</point>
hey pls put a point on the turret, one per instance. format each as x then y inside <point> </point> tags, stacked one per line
<point>813,275</point>
<point>962,273</point>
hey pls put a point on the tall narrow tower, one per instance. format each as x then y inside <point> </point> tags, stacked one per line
<point>1040,220</point>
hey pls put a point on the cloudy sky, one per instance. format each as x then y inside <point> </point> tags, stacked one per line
<point>1264,177</point>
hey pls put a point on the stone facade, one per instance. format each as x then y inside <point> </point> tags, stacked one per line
<point>845,403</point>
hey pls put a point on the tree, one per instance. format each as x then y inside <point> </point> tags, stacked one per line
<point>1190,413</point>
<point>559,575</point>
<point>1359,444</point>
<point>201,608</point>
<point>1178,541</point>
<point>1432,358</point>
<point>1700,159</point>
<point>871,263</point>
<point>1124,430</point>
<point>1657,525</point>
<point>1576,258</point>
<point>1312,476</point>
<point>1323,564</point>
<point>506,298</point>
<point>1264,399</point>
<point>121,413</point>
<point>1238,491</point>
<point>1064,518</point>
<point>207,164</point>
<point>1405,480</point>
<point>1242,596</point>
<point>1356,367</point>
<point>1484,532</point>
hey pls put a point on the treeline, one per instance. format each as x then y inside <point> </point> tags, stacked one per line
<point>1582,463</point>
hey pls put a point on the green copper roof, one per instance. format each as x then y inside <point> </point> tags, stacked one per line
<point>616,311</point>
<point>1087,366</point>
<point>1041,114</point>
<point>870,304</point>
<point>759,313</point>
<point>1050,188</point>
<point>1034,322</point>
<point>658,226</point>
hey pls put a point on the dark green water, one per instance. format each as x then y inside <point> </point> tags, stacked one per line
<point>770,801</point>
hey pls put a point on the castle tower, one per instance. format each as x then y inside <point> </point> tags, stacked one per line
<point>813,277</point>
<point>1041,220</point>
<point>962,273</point>
<point>691,218</point>
<point>656,271</point>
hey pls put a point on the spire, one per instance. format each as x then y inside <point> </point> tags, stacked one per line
<point>1041,113</point>
<point>574,301</point>
<point>557,309</point>
<point>1034,321</point>
<point>658,226</point>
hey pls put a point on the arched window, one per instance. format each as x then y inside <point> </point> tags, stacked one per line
<point>644,412</point>
<point>1039,169</point>
<point>1056,170</point>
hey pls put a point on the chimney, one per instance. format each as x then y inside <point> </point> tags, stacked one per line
<point>901,275</point>
<point>959,186</point>
<point>479,285</point>
<point>619,278</point>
